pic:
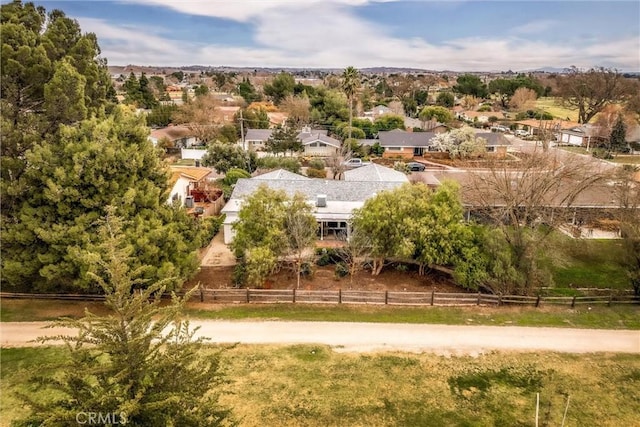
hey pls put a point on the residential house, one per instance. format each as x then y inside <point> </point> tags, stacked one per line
<point>497,144</point>
<point>192,187</point>
<point>479,116</point>
<point>534,126</point>
<point>380,110</point>
<point>400,143</point>
<point>333,201</point>
<point>375,172</point>
<point>315,142</point>
<point>579,135</point>
<point>178,135</point>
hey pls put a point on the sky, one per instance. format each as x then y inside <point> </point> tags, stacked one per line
<point>456,35</point>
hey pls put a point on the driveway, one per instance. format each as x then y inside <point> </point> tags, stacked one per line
<point>370,337</point>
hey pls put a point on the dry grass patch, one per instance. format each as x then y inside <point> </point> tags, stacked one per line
<point>312,385</point>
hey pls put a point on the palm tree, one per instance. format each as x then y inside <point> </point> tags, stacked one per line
<point>350,85</point>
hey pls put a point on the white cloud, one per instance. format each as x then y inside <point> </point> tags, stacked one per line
<point>535,27</point>
<point>327,34</point>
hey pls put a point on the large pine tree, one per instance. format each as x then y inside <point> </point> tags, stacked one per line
<point>67,152</point>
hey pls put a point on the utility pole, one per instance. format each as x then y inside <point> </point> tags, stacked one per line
<point>242,131</point>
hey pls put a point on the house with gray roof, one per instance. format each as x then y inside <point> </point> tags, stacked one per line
<point>315,142</point>
<point>333,201</point>
<point>375,172</point>
<point>400,143</point>
<point>496,143</point>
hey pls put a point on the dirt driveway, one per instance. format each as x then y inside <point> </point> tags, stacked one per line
<point>370,337</point>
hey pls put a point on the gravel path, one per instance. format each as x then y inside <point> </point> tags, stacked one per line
<point>368,337</point>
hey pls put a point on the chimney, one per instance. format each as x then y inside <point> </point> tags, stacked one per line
<point>321,200</point>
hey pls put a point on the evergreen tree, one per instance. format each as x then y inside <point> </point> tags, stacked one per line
<point>69,180</point>
<point>618,137</point>
<point>284,139</point>
<point>41,50</point>
<point>140,363</point>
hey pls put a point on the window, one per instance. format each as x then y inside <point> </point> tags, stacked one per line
<point>394,148</point>
<point>491,149</point>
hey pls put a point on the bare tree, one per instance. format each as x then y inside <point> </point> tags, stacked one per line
<point>528,203</point>
<point>590,91</point>
<point>355,253</point>
<point>298,109</point>
<point>337,161</point>
<point>199,116</point>
<point>523,99</point>
<point>547,130</point>
<point>300,230</point>
<point>627,193</point>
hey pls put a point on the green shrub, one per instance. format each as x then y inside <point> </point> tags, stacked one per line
<point>317,164</point>
<point>327,256</point>
<point>287,163</point>
<point>341,270</point>
<point>316,173</point>
<point>239,276</point>
<point>210,227</point>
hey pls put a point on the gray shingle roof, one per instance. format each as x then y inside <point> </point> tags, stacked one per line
<point>310,138</point>
<point>400,138</point>
<point>341,191</point>
<point>281,174</point>
<point>374,172</point>
<point>258,134</point>
<point>494,138</point>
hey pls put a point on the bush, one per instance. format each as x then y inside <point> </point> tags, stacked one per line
<point>210,227</point>
<point>317,164</point>
<point>341,270</point>
<point>601,153</point>
<point>316,173</point>
<point>327,256</point>
<point>239,276</point>
<point>307,269</point>
<point>287,163</point>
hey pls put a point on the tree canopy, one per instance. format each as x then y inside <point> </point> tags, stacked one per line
<point>461,143</point>
<point>69,180</point>
<point>414,223</point>
<point>280,87</point>
<point>469,84</point>
<point>592,90</point>
<point>140,363</point>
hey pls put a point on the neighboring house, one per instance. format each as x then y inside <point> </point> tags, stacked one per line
<point>255,139</point>
<point>497,143</point>
<point>316,142</point>
<point>192,188</point>
<point>532,126</point>
<point>380,110</point>
<point>333,201</point>
<point>180,136</point>
<point>400,143</point>
<point>578,136</point>
<point>185,179</point>
<point>479,116</point>
<point>435,126</point>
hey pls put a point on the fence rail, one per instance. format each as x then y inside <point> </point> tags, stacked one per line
<point>247,296</point>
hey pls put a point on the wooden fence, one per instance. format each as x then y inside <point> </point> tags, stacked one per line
<point>248,296</point>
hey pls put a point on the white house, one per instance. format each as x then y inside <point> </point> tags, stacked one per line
<point>333,201</point>
<point>315,142</point>
<point>180,136</point>
<point>184,182</point>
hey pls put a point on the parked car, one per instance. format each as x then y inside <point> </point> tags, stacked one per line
<point>499,128</point>
<point>521,132</point>
<point>416,167</point>
<point>355,163</point>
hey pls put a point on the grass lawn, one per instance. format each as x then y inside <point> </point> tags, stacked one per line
<point>590,263</point>
<point>599,317</point>
<point>307,385</point>
<point>626,159</point>
<point>553,107</point>
<point>578,150</point>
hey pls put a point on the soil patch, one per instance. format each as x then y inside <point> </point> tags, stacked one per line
<point>324,278</point>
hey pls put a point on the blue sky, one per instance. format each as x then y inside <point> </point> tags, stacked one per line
<point>458,35</point>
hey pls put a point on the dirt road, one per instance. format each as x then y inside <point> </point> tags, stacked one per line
<point>367,337</point>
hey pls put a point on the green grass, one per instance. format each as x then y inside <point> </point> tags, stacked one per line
<point>552,106</point>
<point>311,385</point>
<point>599,317</point>
<point>592,263</point>
<point>578,150</point>
<point>626,159</point>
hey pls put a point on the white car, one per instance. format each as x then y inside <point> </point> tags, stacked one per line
<point>521,132</point>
